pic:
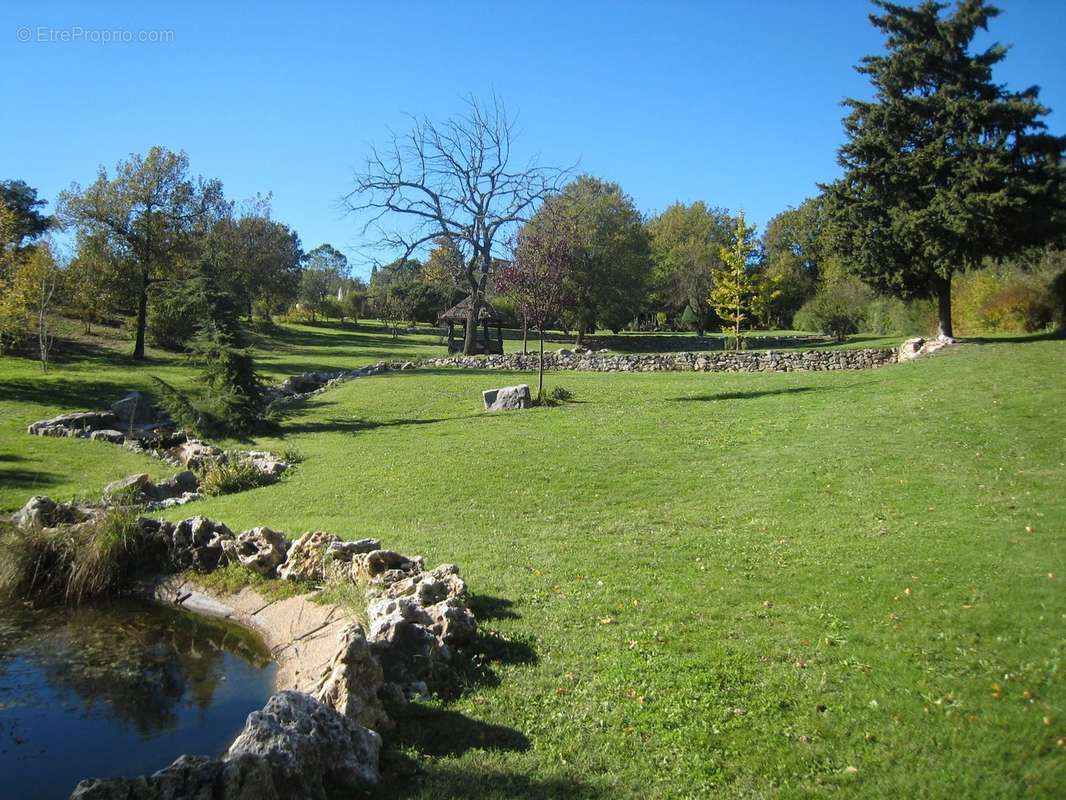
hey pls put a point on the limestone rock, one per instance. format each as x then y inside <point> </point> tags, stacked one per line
<point>132,488</point>
<point>346,551</point>
<point>107,435</point>
<point>198,543</point>
<point>184,482</point>
<point>41,511</point>
<point>260,549</point>
<point>243,777</point>
<point>352,681</point>
<point>81,423</point>
<point>911,349</point>
<point>378,564</point>
<point>508,398</point>
<point>308,557</point>
<point>195,454</point>
<point>132,410</point>
<point>310,748</point>
<point>402,642</point>
<point>266,464</point>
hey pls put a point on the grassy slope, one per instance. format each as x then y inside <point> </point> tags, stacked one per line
<point>710,583</point>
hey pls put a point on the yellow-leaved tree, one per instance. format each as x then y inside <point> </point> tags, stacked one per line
<point>734,287</point>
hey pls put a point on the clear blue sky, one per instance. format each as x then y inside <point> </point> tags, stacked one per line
<point>735,103</point>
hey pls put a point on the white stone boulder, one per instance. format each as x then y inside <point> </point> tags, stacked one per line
<point>508,398</point>
<point>312,750</point>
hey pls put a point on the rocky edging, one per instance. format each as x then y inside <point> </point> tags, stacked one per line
<point>321,731</point>
<point>729,361</point>
<point>768,361</point>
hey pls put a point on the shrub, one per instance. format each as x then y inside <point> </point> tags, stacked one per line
<point>69,565</point>
<point>890,316</point>
<point>330,309</point>
<point>1003,299</point>
<point>837,309</point>
<point>229,477</point>
<point>561,394</point>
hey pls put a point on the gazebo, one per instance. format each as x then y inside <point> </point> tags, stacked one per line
<point>456,315</point>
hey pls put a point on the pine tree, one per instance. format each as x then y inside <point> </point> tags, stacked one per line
<point>943,168</point>
<point>231,398</point>
<point>734,287</point>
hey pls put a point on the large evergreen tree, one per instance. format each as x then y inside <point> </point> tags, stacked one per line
<point>944,167</point>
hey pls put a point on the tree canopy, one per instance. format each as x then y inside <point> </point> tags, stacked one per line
<point>685,243</point>
<point>147,212</point>
<point>944,167</point>
<point>606,282</point>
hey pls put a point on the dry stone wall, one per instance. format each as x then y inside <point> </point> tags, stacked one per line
<point>762,361</point>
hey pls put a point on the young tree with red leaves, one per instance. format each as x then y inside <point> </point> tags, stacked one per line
<point>535,277</point>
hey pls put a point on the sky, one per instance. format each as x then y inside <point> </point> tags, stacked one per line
<point>730,102</point>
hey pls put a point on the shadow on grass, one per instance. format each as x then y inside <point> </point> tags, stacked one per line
<point>359,425</point>
<point>708,398</point>
<point>66,393</point>
<point>404,778</point>
<point>486,607</point>
<point>23,477</point>
<point>439,732</point>
<point>1026,338</point>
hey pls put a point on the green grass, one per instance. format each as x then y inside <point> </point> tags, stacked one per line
<point>691,584</point>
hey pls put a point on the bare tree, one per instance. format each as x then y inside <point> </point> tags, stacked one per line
<point>452,180</point>
<point>536,277</point>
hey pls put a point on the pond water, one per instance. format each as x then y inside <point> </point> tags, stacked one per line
<point>118,689</point>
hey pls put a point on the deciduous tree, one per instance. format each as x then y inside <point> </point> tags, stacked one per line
<point>459,180</point>
<point>148,212</point>
<point>685,245</point>
<point>608,276</point>
<point>534,279</point>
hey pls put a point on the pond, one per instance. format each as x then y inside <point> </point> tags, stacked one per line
<point>119,689</point>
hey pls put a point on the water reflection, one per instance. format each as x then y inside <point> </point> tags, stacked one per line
<point>118,689</point>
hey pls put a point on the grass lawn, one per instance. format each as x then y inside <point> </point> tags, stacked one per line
<point>790,585</point>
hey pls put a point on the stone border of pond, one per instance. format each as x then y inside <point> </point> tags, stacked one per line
<point>323,726</point>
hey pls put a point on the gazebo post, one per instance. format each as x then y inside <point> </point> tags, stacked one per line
<point>488,341</point>
<point>451,335</point>
<point>499,335</point>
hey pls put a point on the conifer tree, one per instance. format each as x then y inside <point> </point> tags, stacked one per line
<point>943,168</point>
<point>734,288</point>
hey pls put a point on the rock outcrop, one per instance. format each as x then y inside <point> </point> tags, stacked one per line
<point>260,549</point>
<point>199,543</point>
<point>415,617</point>
<point>310,747</point>
<point>352,683</point>
<point>140,490</point>
<point>509,398</point>
<point>41,511</point>
<point>295,747</point>
<point>918,347</point>
<point>308,557</point>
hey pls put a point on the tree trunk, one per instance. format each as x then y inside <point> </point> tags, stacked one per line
<point>525,335</point>
<point>470,342</point>
<point>540,385</point>
<point>142,315</point>
<point>943,298</point>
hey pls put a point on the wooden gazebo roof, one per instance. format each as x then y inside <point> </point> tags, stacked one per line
<point>458,312</point>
